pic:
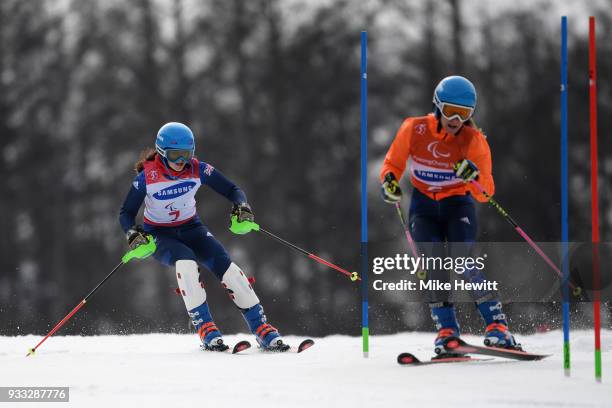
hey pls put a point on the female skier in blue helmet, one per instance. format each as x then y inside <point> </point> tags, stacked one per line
<point>446,153</point>
<point>167,181</point>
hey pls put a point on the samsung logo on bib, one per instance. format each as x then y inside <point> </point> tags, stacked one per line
<point>433,176</point>
<point>174,191</point>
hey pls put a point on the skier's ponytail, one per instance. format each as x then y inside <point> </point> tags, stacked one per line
<point>147,154</point>
<point>472,123</point>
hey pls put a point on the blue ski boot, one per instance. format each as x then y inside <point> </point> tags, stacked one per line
<point>267,336</point>
<point>443,315</point>
<point>496,332</point>
<point>207,329</point>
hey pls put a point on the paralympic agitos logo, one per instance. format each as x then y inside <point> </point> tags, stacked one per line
<point>433,149</point>
<point>177,190</point>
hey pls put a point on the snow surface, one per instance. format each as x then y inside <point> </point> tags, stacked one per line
<point>169,370</point>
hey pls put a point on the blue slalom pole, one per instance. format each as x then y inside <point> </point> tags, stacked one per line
<point>564,204</point>
<point>365,331</point>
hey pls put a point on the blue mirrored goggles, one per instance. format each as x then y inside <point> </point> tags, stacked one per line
<point>178,155</point>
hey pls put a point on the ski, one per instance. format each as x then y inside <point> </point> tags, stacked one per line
<point>238,347</point>
<point>410,359</point>
<point>457,345</point>
<point>304,345</point>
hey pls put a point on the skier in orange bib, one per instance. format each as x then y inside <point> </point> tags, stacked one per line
<point>446,152</point>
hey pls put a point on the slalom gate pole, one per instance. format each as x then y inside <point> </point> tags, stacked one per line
<point>76,309</point>
<point>365,328</point>
<point>564,202</point>
<point>576,289</point>
<point>594,196</point>
<point>353,275</point>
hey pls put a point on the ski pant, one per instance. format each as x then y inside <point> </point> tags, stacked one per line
<point>445,228</point>
<point>191,241</point>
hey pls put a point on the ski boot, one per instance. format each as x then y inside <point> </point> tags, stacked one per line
<point>207,329</point>
<point>215,344</point>
<point>496,333</point>
<point>443,335</point>
<point>267,336</point>
<point>444,317</point>
<point>209,342</point>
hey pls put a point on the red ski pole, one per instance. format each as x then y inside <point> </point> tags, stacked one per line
<point>353,275</point>
<point>73,312</point>
<point>140,252</point>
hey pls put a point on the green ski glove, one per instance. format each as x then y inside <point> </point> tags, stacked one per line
<point>243,219</point>
<point>141,251</point>
<point>243,227</point>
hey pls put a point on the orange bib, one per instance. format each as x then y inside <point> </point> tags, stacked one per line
<point>432,155</point>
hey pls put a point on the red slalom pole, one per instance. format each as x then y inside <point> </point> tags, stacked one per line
<point>594,196</point>
<point>353,275</point>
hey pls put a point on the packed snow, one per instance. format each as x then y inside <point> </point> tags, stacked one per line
<point>169,370</point>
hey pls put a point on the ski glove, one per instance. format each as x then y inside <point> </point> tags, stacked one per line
<point>243,219</point>
<point>136,237</point>
<point>466,170</point>
<point>142,245</point>
<point>390,190</point>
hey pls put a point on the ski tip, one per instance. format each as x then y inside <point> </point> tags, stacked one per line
<point>407,358</point>
<point>241,346</point>
<point>304,345</point>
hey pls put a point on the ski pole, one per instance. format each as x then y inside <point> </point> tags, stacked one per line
<point>140,252</point>
<point>576,290</point>
<point>354,276</point>
<point>76,309</point>
<point>406,230</point>
<point>420,274</point>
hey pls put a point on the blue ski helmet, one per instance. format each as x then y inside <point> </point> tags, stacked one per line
<point>178,137</point>
<point>456,90</point>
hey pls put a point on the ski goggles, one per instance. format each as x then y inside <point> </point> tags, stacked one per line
<point>179,155</point>
<point>451,111</point>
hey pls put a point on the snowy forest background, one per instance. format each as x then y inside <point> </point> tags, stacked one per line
<point>271,90</point>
